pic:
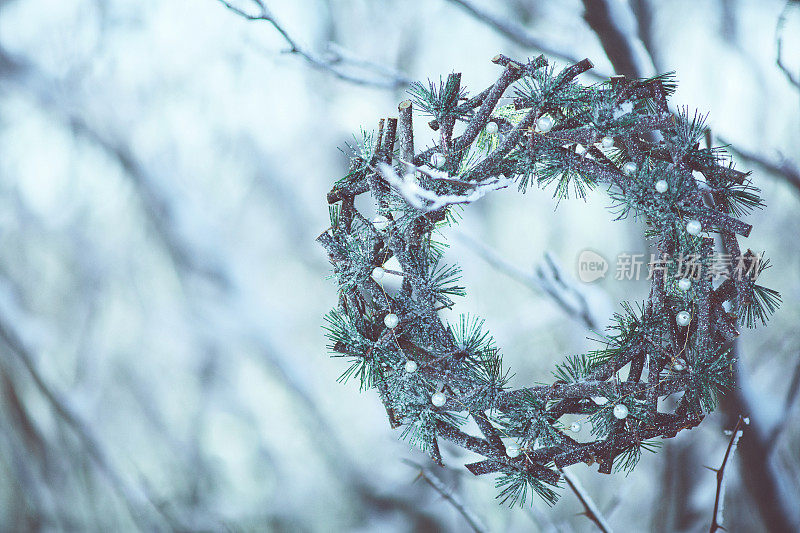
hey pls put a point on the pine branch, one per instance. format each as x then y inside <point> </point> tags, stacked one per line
<point>340,62</point>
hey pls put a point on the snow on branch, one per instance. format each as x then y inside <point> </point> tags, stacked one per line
<point>427,200</point>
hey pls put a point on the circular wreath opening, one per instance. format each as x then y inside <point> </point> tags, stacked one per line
<point>432,376</point>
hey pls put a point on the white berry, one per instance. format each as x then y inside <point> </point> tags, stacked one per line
<point>391,320</point>
<point>492,128</point>
<point>411,366</point>
<point>684,284</point>
<point>662,186</point>
<point>683,318</point>
<point>575,427</point>
<point>620,411</point>
<point>694,227</point>
<point>545,123</point>
<point>600,400</point>
<point>378,273</point>
<point>629,168</point>
<point>380,222</point>
<point>607,142</point>
<point>438,399</point>
<point>438,160</point>
<point>512,451</point>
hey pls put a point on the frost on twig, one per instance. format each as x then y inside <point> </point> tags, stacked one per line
<point>428,200</point>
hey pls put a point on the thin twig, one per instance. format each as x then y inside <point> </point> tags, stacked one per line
<point>548,278</point>
<point>791,395</point>
<point>782,168</point>
<point>793,79</point>
<point>590,508</point>
<point>135,497</point>
<point>716,519</point>
<point>518,33</point>
<point>448,494</point>
<point>338,62</point>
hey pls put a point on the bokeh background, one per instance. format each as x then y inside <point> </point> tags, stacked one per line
<point>163,170</point>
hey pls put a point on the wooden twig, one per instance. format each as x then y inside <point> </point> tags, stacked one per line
<point>716,519</point>
<point>452,498</point>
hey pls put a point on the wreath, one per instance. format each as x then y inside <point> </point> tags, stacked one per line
<point>603,407</point>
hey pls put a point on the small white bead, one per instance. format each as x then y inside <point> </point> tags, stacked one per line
<point>545,123</point>
<point>683,318</point>
<point>662,186</point>
<point>684,284</point>
<point>391,320</point>
<point>411,366</point>
<point>607,142</point>
<point>492,128</point>
<point>512,451</point>
<point>694,227</point>
<point>438,399</point>
<point>620,411</point>
<point>600,400</point>
<point>575,427</point>
<point>380,222</point>
<point>378,273</point>
<point>438,160</point>
<point>678,366</point>
<point>580,149</point>
<point>629,168</point>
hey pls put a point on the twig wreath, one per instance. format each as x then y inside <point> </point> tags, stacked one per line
<point>432,376</point>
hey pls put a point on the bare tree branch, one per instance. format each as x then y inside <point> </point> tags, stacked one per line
<point>765,484</point>
<point>716,519</point>
<point>134,496</point>
<point>340,64</point>
<point>448,494</point>
<point>622,45</point>
<point>783,168</point>
<point>549,278</point>
<point>519,34</point>
<point>792,78</point>
<point>791,395</point>
<point>591,510</point>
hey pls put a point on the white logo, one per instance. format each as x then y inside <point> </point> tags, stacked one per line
<point>591,266</point>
